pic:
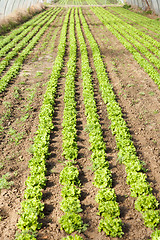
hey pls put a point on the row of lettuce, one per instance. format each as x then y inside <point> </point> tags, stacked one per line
<point>71,221</point>
<point>140,53</point>
<point>26,45</point>
<point>32,207</point>
<point>145,202</point>
<point>111,223</point>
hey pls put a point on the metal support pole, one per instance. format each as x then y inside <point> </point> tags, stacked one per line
<point>5,8</point>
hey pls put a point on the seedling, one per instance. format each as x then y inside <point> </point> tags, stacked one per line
<point>15,137</point>
<point>151,93</point>
<point>1,128</point>
<point>38,74</point>
<point>16,93</point>
<point>1,165</point>
<point>24,118</point>
<point>4,183</point>
<point>142,93</point>
<point>7,113</point>
<point>22,83</point>
<point>130,85</point>
<point>156,111</point>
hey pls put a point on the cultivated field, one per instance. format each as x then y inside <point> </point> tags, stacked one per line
<point>80,126</point>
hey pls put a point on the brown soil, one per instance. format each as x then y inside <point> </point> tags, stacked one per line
<point>139,99</point>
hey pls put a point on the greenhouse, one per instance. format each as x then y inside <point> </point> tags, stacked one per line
<point>79,119</point>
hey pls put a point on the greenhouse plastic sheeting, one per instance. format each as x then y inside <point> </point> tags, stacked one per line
<point>154,4</point>
<point>8,6</point>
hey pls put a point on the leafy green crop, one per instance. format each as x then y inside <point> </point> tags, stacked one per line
<point>151,218</point>
<point>111,226</point>
<point>70,191</point>
<point>76,237</point>
<point>109,208</point>
<point>69,175</point>
<point>71,222</point>
<point>146,22</point>
<point>4,183</point>
<point>104,195</point>
<point>33,192</point>
<point>156,235</point>
<point>146,202</point>
<point>103,178</point>
<point>26,235</point>
<point>16,31</point>
<point>25,30</point>
<point>71,204</point>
